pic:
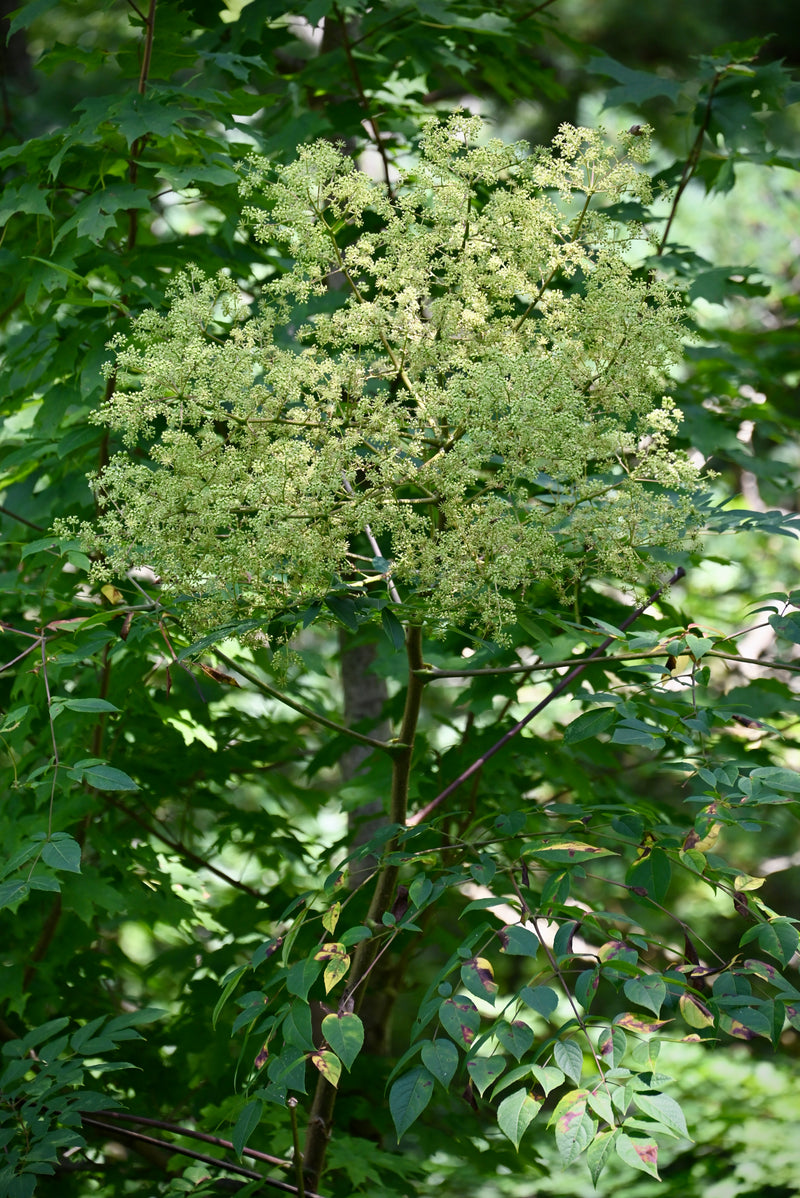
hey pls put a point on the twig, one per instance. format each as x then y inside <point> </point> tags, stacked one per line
<point>558,689</point>
<point>178,1130</point>
<point>362,99</point>
<point>14,516</point>
<point>691,162</point>
<point>308,712</point>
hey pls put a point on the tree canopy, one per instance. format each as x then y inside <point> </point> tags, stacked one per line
<point>398,744</point>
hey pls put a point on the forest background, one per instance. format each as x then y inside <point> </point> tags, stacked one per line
<point>177,812</point>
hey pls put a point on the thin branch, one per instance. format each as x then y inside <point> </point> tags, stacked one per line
<point>13,516</point>
<point>362,99</point>
<point>178,1130</point>
<point>691,162</point>
<point>178,847</point>
<point>139,1137</point>
<point>376,549</point>
<point>308,712</point>
<point>558,689</point>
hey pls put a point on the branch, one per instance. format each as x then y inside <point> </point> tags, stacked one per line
<point>139,1137</point>
<point>691,162</point>
<point>13,516</point>
<point>308,712</point>
<point>178,1130</point>
<point>362,99</point>
<point>558,689</point>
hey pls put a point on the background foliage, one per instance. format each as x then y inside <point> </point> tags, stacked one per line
<point>175,833</point>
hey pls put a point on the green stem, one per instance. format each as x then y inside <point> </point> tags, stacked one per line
<point>320,1120</point>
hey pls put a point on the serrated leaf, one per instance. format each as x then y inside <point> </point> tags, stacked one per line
<point>568,1057</point>
<point>440,1056</point>
<point>574,1126</point>
<point>548,1077</point>
<point>64,853</point>
<point>516,1113</point>
<point>638,1153</point>
<point>345,1035</point>
<point>485,1070</point>
<point>248,1121</point>
<point>600,1151</point>
<point>408,1098</point>
<point>665,1110</point>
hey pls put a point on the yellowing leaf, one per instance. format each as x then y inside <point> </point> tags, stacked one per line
<point>745,882</point>
<point>335,970</point>
<point>331,918</point>
<point>329,1066</point>
<point>112,594</point>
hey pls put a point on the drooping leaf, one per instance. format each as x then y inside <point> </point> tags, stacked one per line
<point>440,1057</point>
<point>638,1152</point>
<point>460,1019</point>
<point>345,1035</point>
<point>516,1113</point>
<point>408,1098</point>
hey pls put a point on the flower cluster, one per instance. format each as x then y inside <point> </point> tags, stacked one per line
<point>463,374</point>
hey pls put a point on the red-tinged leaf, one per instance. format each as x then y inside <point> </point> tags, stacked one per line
<point>612,1046</point>
<point>515,1037</point>
<point>262,1057</point>
<point>217,675</point>
<point>515,1114</point>
<point>460,1019</point>
<point>574,1126</point>
<point>485,1070</point>
<point>478,977</point>
<point>408,1098</point>
<point>694,1012</point>
<point>644,1026</point>
<point>518,941</point>
<point>600,1151</point>
<point>330,951</point>
<point>638,1153</point>
<point>329,1066</point>
<point>345,1035</point>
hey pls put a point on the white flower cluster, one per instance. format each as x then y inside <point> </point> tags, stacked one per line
<point>477,394</point>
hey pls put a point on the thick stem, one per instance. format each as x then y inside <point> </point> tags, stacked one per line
<point>321,1115</point>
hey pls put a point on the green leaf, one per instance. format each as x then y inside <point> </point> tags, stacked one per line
<point>634,87</point>
<point>548,1077</point>
<point>345,1035</point>
<point>62,853</point>
<point>600,1151</point>
<point>653,873</point>
<point>574,1126</point>
<point>440,1056</point>
<point>665,1110</point>
<point>569,1058</point>
<point>13,891</point>
<point>570,852</point>
<point>540,998</point>
<point>638,1153</point>
<point>394,630</point>
<point>590,724</point>
<point>249,1119</point>
<point>477,976</point>
<point>408,1098</point>
<point>302,975</point>
<point>88,705</point>
<point>648,992</point>
<point>460,1019</point>
<point>485,1070</point>
<point>516,1037</point>
<point>103,777</point>
<point>516,1113</point>
<point>517,941</point>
